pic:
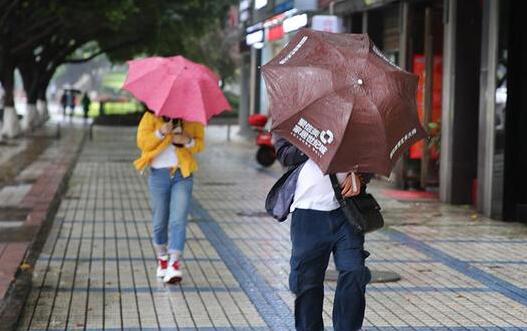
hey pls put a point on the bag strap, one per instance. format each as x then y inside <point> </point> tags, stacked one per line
<point>349,209</point>
<point>337,189</point>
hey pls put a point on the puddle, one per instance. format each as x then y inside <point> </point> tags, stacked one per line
<point>252,214</point>
<point>8,143</point>
<point>12,167</point>
<point>13,214</point>
<point>10,224</point>
<point>18,234</point>
<point>218,184</point>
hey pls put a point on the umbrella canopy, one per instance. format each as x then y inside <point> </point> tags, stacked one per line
<point>339,100</point>
<point>176,87</point>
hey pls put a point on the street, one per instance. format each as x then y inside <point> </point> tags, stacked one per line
<point>459,271</point>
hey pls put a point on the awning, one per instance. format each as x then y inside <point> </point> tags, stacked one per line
<point>353,6</point>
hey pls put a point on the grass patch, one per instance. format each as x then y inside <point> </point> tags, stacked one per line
<point>115,108</point>
<point>114,80</point>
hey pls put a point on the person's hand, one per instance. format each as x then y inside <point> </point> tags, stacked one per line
<point>166,128</point>
<point>351,185</point>
<point>181,139</point>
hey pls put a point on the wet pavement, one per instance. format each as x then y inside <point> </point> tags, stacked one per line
<point>33,172</point>
<point>97,269</point>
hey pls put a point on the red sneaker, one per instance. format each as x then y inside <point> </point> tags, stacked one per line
<point>162,265</point>
<point>173,274</point>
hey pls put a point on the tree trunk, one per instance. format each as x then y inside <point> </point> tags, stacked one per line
<point>11,124</point>
<point>30,79</point>
<point>42,105</point>
<point>43,84</point>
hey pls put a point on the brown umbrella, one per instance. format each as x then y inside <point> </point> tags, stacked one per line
<point>339,100</point>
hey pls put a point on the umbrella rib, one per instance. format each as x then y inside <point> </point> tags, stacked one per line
<point>200,97</point>
<point>168,93</point>
<point>337,150</point>
<point>384,137</point>
<point>141,76</point>
<point>308,105</point>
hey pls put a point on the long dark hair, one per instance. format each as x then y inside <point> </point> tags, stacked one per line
<point>175,121</point>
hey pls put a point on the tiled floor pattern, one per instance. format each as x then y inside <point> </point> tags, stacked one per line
<point>459,272</point>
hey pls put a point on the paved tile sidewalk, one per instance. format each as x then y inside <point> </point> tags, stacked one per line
<point>30,185</point>
<point>97,269</point>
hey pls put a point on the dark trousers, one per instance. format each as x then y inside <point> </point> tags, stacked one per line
<point>314,235</point>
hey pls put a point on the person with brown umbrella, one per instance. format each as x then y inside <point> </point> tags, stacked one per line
<point>319,228</point>
<point>341,112</point>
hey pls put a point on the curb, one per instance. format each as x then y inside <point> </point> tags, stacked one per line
<point>44,199</point>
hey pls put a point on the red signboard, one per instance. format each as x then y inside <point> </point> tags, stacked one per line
<point>419,69</point>
<point>275,33</point>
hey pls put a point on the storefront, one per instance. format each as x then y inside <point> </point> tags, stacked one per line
<point>273,24</point>
<point>472,103</point>
<point>410,33</point>
<point>502,191</point>
<point>278,31</point>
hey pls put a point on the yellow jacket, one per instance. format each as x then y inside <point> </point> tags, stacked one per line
<point>150,145</point>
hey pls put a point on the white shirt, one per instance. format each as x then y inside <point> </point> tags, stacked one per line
<point>314,190</point>
<point>168,157</point>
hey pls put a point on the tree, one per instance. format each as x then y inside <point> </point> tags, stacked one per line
<point>11,125</point>
<point>39,36</point>
<point>217,49</point>
<point>70,26</point>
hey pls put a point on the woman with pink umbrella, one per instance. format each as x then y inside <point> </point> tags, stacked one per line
<point>180,97</point>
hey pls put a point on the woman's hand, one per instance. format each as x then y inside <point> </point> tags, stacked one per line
<point>166,128</point>
<point>351,185</point>
<point>181,139</point>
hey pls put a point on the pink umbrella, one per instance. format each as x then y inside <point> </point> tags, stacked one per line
<point>176,87</point>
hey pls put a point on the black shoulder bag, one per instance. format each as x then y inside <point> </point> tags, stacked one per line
<point>362,211</point>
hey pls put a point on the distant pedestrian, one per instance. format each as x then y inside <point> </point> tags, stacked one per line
<point>64,102</point>
<point>86,102</point>
<point>1,107</point>
<point>168,148</point>
<point>319,228</point>
<point>72,102</point>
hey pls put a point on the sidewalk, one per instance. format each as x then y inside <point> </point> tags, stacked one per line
<point>33,172</point>
<point>97,268</point>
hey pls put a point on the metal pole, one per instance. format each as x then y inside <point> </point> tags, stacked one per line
<point>365,22</point>
<point>447,101</point>
<point>244,110</point>
<point>428,87</point>
<point>399,169</point>
<point>252,83</point>
<point>403,35</point>
<point>487,110</point>
<point>91,131</point>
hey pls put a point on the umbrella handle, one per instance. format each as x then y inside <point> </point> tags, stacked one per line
<point>354,182</point>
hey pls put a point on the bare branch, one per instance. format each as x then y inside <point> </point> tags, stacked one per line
<point>83,60</point>
<point>40,24</point>
<point>102,51</point>
<point>8,10</point>
<point>31,42</point>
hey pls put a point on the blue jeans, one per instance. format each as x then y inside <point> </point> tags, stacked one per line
<point>170,201</point>
<point>314,235</point>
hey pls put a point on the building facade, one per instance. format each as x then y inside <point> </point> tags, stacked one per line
<point>472,102</point>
